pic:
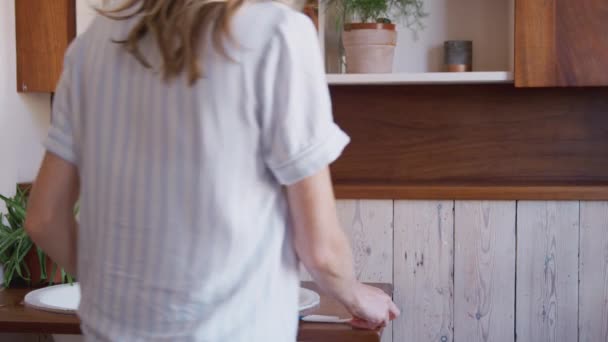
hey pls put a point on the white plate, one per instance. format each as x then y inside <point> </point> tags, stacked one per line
<point>65,298</point>
<point>59,298</point>
<point>308,299</point>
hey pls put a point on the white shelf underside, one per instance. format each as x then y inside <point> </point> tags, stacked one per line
<point>422,78</point>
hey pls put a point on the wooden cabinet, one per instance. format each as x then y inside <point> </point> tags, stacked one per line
<point>561,43</point>
<point>44,30</point>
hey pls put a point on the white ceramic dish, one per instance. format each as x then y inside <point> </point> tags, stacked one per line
<point>308,299</point>
<point>59,298</point>
<point>65,298</point>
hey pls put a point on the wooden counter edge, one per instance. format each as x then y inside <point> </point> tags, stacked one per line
<point>473,192</point>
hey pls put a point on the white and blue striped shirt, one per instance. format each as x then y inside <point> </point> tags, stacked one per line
<point>184,228</point>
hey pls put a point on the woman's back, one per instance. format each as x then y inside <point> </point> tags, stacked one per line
<point>184,230</point>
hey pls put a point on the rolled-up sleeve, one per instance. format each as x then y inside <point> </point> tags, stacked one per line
<point>299,134</point>
<point>60,140</point>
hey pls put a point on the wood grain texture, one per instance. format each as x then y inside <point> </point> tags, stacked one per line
<point>582,42</point>
<point>547,271</point>
<point>424,270</point>
<point>23,338</point>
<point>484,271</point>
<point>17,318</point>
<point>369,225</point>
<point>472,192</point>
<point>561,43</point>
<point>593,272</point>
<point>484,137</point>
<point>535,45</point>
<point>44,30</point>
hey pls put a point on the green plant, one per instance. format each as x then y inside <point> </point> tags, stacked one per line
<point>410,11</point>
<point>15,245</point>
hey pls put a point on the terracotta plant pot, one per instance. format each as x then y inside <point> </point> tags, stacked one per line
<point>369,47</point>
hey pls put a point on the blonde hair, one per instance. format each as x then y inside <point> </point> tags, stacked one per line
<point>177,26</point>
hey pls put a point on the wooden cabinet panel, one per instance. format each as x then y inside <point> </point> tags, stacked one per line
<point>44,30</point>
<point>561,43</point>
<point>472,142</point>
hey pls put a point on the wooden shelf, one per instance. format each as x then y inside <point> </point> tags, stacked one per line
<point>421,78</point>
<point>472,142</point>
<point>473,192</point>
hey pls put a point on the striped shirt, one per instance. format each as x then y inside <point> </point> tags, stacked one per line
<point>184,227</point>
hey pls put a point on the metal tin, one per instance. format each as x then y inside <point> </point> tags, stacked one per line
<point>458,55</point>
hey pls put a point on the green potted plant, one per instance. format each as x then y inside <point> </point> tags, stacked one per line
<point>23,262</point>
<point>369,34</point>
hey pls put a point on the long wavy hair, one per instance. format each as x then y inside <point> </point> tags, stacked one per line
<point>177,26</point>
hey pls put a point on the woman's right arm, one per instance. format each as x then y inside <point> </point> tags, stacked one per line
<point>324,249</point>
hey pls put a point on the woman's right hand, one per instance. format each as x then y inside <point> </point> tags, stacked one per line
<point>371,308</point>
<point>323,247</point>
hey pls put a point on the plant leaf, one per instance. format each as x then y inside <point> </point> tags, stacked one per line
<point>9,241</point>
<point>27,271</point>
<point>53,274</point>
<point>19,255</point>
<point>19,273</point>
<point>42,262</point>
<point>9,271</point>
<point>17,206</point>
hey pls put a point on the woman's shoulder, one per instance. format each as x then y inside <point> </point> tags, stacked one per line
<point>258,22</point>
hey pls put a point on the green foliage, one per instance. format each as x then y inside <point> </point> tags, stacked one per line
<point>409,11</point>
<point>15,244</point>
<point>364,10</point>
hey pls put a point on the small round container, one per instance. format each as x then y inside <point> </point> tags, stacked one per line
<point>458,55</point>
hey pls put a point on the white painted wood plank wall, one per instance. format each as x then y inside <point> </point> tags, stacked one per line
<point>593,272</point>
<point>484,271</point>
<point>547,271</point>
<point>369,225</point>
<point>423,267</point>
<point>461,269</point>
<point>466,289</point>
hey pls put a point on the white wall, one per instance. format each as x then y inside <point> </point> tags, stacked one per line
<point>24,121</point>
<point>24,118</point>
<point>485,22</point>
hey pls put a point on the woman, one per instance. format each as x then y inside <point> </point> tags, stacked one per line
<point>197,135</point>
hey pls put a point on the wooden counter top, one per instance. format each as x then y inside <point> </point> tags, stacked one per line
<point>15,317</point>
<point>323,332</point>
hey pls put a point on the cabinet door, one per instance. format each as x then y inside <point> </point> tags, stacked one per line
<point>561,43</point>
<point>44,29</point>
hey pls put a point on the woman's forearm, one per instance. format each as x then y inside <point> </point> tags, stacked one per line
<point>330,263</point>
<point>57,238</point>
<point>320,242</point>
<point>50,220</point>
